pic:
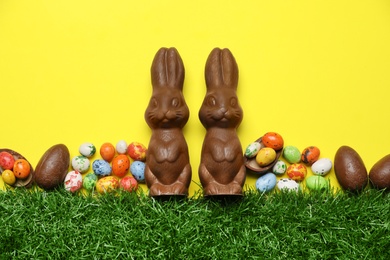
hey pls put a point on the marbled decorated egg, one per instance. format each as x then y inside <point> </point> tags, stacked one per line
<point>80,163</point>
<point>137,151</point>
<point>266,183</point>
<point>101,167</point>
<point>87,149</point>
<point>287,184</point>
<point>252,149</point>
<point>322,166</point>
<point>279,168</point>
<point>89,182</point>
<point>137,169</point>
<point>310,155</point>
<point>107,184</point>
<point>73,181</point>
<point>296,171</point>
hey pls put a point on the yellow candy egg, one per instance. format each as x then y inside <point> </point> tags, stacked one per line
<point>107,184</point>
<point>265,156</point>
<point>8,177</point>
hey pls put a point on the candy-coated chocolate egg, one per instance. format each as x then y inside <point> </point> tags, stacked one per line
<point>273,140</point>
<point>87,149</point>
<point>21,169</point>
<point>310,155</point>
<point>252,149</point>
<point>266,183</point>
<point>137,169</point>
<point>292,154</point>
<point>101,167</point>
<point>279,168</point>
<point>121,147</point>
<point>107,184</point>
<point>128,183</point>
<point>7,161</point>
<point>89,182</point>
<point>265,156</point>
<point>317,182</point>
<point>120,165</point>
<point>8,177</point>
<point>73,181</point>
<point>322,166</point>
<point>107,152</point>
<point>137,151</point>
<point>296,171</point>
<point>80,163</point>
<point>287,184</point>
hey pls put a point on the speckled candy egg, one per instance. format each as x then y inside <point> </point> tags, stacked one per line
<point>265,156</point>
<point>322,166</point>
<point>273,140</point>
<point>316,182</point>
<point>137,168</point>
<point>101,167</point>
<point>291,154</point>
<point>252,149</point>
<point>121,147</point>
<point>107,184</point>
<point>89,182</point>
<point>287,184</point>
<point>279,168</point>
<point>73,181</point>
<point>310,155</point>
<point>137,151</point>
<point>120,165</point>
<point>87,149</point>
<point>128,183</point>
<point>296,171</point>
<point>266,183</point>
<point>80,163</point>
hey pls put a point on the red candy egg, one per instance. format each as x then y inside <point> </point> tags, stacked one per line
<point>136,151</point>
<point>128,183</point>
<point>120,165</point>
<point>273,140</point>
<point>296,171</point>
<point>310,155</point>
<point>6,161</point>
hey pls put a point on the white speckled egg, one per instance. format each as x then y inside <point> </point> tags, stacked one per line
<point>266,183</point>
<point>121,147</point>
<point>80,163</point>
<point>252,149</point>
<point>322,166</point>
<point>287,184</point>
<point>279,168</point>
<point>87,149</point>
<point>73,181</point>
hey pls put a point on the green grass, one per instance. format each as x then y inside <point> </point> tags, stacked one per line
<point>59,225</point>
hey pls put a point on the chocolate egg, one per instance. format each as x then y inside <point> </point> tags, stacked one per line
<point>380,173</point>
<point>52,168</point>
<point>350,170</point>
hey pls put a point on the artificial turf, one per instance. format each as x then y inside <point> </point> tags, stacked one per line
<point>284,225</point>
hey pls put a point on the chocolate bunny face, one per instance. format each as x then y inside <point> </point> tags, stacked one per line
<point>220,106</point>
<point>167,107</point>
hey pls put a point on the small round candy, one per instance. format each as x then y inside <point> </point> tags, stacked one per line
<point>252,149</point>
<point>87,149</point>
<point>296,171</point>
<point>265,156</point>
<point>287,184</point>
<point>21,169</point>
<point>89,181</point>
<point>7,161</point>
<point>279,168</point>
<point>291,154</point>
<point>273,140</point>
<point>316,182</point>
<point>8,177</point>
<point>310,155</point>
<point>80,163</point>
<point>107,152</point>
<point>120,165</point>
<point>101,167</point>
<point>121,147</point>
<point>73,181</point>
<point>137,151</point>
<point>266,183</point>
<point>128,183</point>
<point>137,168</point>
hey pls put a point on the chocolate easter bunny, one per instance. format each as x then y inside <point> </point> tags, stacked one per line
<point>222,169</point>
<point>168,170</point>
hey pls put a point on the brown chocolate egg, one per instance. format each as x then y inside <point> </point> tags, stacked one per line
<point>20,182</point>
<point>350,170</point>
<point>52,168</point>
<point>380,173</point>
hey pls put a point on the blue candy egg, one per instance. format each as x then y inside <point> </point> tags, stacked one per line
<point>266,183</point>
<point>101,167</point>
<point>137,168</point>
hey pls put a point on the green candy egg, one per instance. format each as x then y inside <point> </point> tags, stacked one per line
<point>89,181</point>
<point>317,182</point>
<point>291,154</point>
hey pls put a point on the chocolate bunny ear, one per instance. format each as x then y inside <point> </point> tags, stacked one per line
<point>167,69</point>
<point>221,69</point>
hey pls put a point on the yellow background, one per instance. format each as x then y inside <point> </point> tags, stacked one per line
<point>316,72</point>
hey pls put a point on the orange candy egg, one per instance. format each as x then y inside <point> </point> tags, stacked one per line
<point>107,152</point>
<point>273,140</point>
<point>310,155</point>
<point>21,169</point>
<point>120,165</point>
